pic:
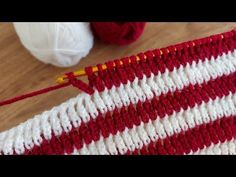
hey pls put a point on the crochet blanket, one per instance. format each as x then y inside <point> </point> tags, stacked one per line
<point>176,100</point>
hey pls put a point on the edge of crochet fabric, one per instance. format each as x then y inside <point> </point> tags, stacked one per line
<point>176,100</point>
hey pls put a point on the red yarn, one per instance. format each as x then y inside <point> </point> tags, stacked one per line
<point>118,33</point>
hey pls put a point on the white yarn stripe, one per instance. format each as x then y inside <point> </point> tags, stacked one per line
<point>83,107</point>
<point>138,136</point>
<point>2,137</point>
<point>226,148</point>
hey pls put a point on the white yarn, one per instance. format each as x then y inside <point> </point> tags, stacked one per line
<point>60,44</point>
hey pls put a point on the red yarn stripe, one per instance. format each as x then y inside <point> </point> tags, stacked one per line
<point>132,115</point>
<point>193,139</point>
<point>156,62</point>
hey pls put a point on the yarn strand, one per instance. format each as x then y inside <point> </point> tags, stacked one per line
<point>71,81</point>
<point>34,93</point>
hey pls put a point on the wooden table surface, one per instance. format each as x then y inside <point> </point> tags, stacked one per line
<point>20,72</point>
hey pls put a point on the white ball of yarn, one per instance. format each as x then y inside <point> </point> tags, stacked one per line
<point>60,44</point>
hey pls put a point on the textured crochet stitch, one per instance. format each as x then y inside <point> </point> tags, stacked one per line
<point>178,100</point>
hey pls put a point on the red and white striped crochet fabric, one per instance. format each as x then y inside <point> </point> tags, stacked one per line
<point>176,100</point>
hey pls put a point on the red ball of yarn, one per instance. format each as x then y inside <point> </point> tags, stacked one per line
<point>118,33</point>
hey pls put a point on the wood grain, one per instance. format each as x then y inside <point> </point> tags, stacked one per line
<point>20,72</point>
